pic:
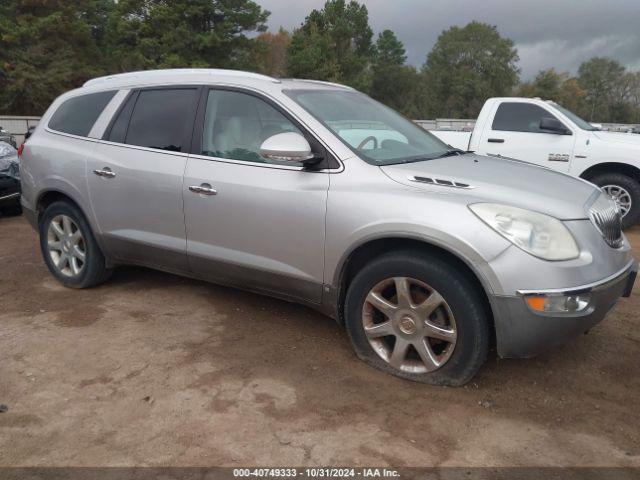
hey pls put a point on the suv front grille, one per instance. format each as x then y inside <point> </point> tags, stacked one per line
<point>605,215</point>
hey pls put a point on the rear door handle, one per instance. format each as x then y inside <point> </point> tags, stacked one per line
<point>204,189</point>
<point>496,140</point>
<point>105,172</point>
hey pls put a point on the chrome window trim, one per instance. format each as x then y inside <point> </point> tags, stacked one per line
<point>121,145</point>
<point>199,157</point>
<point>582,288</point>
<point>11,195</point>
<point>340,169</point>
<point>252,164</point>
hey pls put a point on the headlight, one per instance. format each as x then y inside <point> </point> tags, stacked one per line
<point>538,234</point>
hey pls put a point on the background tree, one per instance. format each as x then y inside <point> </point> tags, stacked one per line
<point>46,48</point>
<point>634,95</point>
<point>546,84</point>
<point>333,44</point>
<point>599,77</point>
<point>269,53</point>
<point>394,83</point>
<point>183,33</point>
<point>468,65</point>
<point>572,96</point>
<point>559,87</point>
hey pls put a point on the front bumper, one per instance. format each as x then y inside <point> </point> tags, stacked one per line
<point>522,332</point>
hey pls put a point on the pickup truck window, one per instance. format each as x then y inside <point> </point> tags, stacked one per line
<point>519,117</point>
<point>583,124</point>
<point>376,133</point>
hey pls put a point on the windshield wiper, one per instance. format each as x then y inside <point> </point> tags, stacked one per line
<point>450,153</point>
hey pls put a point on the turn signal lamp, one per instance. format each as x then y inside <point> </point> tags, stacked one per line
<point>558,303</point>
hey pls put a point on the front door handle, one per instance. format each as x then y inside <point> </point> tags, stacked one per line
<point>496,140</point>
<point>105,172</point>
<point>204,189</point>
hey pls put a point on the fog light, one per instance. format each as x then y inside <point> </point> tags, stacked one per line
<point>558,303</point>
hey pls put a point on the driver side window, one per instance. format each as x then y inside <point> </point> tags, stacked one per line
<point>236,124</point>
<point>519,117</point>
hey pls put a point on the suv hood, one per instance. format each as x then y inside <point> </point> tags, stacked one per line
<point>618,137</point>
<point>501,180</point>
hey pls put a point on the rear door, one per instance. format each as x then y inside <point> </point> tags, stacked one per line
<point>515,132</point>
<point>135,177</point>
<point>260,224</point>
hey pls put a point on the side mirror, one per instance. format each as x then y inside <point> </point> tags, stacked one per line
<point>288,147</point>
<point>553,125</point>
<point>29,132</point>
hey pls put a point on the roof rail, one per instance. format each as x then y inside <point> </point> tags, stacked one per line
<point>322,82</point>
<point>144,75</point>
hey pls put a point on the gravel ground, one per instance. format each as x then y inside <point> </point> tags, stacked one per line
<point>154,369</point>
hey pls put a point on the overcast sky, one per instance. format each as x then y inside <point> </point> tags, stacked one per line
<point>547,33</point>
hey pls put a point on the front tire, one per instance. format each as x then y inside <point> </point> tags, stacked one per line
<point>626,191</point>
<point>69,248</point>
<point>418,317</point>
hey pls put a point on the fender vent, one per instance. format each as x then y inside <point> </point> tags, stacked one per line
<point>439,181</point>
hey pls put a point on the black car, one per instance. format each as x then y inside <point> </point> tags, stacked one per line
<point>9,180</point>
<point>6,137</point>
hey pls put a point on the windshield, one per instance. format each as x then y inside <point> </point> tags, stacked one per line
<point>583,124</point>
<point>374,132</point>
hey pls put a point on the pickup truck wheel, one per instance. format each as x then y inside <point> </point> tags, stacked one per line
<point>625,191</point>
<point>417,317</point>
<point>69,248</point>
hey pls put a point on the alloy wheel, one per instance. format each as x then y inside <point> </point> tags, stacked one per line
<point>621,197</point>
<point>409,325</point>
<point>66,246</point>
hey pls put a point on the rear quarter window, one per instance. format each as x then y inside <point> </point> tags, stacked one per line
<point>78,114</point>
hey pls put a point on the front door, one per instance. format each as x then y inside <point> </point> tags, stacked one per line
<point>515,132</point>
<point>251,222</point>
<point>135,179</point>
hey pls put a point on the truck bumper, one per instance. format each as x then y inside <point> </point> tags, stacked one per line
<point>522,332</point>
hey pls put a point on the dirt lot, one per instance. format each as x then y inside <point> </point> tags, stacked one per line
<point>153,369</point>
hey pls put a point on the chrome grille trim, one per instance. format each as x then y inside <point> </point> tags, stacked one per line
<point>605,215</point>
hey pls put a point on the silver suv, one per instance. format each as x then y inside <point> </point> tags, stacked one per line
<point>315,193</point>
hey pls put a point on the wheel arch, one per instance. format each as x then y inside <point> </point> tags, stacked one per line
<point>611,167</point>
<point>51,195</point>
<point>47,197</point>
<point>363,253</point>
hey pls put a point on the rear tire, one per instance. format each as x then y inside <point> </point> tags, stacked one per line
<point>628,190</point>
<point>462,333</point>
<point>69,248</point>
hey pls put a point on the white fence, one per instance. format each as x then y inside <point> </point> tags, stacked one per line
<point>457,124</point>
<point>18,126</point>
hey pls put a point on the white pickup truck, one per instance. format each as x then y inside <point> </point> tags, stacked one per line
<point>547,134</point>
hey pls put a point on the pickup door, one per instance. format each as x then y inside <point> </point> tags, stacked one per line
<point>515,132</point>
